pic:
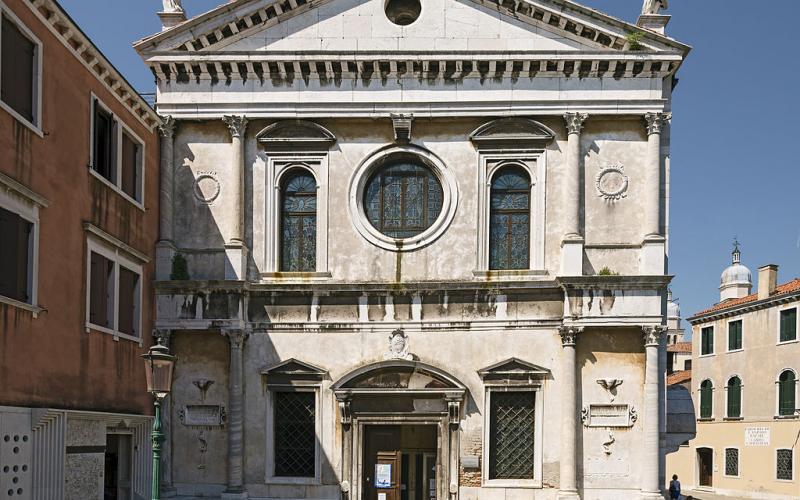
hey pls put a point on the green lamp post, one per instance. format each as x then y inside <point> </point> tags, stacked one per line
<point>158,363</point>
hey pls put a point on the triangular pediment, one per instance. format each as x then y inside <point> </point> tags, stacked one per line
<point>258,26</point>
<point>513,368</point>
<point>293,370</point>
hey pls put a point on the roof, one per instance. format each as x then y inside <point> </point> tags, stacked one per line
<point>784,289</point>
<point>682,347</point>
<point>679,377</point>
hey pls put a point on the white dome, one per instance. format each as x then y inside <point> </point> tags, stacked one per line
<point>736,274</point>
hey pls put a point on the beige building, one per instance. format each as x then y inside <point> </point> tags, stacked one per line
<point>745,362</point>
<point>414,250</point>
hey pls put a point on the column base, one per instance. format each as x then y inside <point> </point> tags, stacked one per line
<point>235,261</point>
<point>653,256</point>
<point>168,492</point>
<point>165,251</point>
<point>651,495</point>
<point>572,256</point>
<point>568,495</point>
<point>234,495</point>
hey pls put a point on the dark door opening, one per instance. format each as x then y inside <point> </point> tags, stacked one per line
<point>400,462</point>
<point>117,473</point>
<point>705,466</point>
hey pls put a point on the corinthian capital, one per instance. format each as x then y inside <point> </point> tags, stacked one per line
<point>569,334</point>
<point>236,337</point>
<point>575,122</point>
<point>236,125</point>
<point>167,127</point>
<point>656,121</point>
<point>651,334</point>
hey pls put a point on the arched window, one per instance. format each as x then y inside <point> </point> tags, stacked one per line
<point>734,390</point>
<point>298,222</point>
<point>786,393</point>
<point>706,401</point>
<point>510,219</point>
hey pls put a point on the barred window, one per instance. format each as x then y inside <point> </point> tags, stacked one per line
<point>734,397</point>
<point>784,465</point>
<point>731,462</point>
<point>299,222</point>
<point>510,219</point>
<point>786,393</point>
<point>511,426</point>
<point>735,335</point>
<point>706,402</point>
<point>295,434</point>
<point>707,340</point>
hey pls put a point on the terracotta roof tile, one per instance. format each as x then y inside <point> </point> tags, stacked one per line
<point>684,347</point>
<point>790,287</point>
<point>679,377</point>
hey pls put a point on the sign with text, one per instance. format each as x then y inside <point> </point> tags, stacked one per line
<point>383,475</point>
<point>756,436</point>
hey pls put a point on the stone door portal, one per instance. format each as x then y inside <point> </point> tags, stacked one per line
<point>705,464</point>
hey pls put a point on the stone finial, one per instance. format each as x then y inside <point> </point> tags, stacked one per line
<point>237,125</point>
<point>575,122</point>
<point>167,127</point>
<point>656,121</point>
<point>654,7</point>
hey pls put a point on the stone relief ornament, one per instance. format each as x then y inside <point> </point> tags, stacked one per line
<point>398,346</point>
<point>608,442</point>
<point>206,187</point>
<point>172,5</point>
<point>653,7</point>
<point>633,414</point>
<point>612,183</point>
<point>610,385</point>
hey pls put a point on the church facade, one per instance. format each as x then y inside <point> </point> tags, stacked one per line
<point>413,251</point>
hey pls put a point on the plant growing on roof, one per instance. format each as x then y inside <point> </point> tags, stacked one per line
<point>634,40</point>
<point>180,268</point>
<point>607,272</point>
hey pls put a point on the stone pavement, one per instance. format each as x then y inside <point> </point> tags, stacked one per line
<point>704,495</point>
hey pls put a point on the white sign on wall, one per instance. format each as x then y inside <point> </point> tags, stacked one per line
<point>756,436</point>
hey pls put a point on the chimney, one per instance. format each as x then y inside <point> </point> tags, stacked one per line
<point>767,280</point>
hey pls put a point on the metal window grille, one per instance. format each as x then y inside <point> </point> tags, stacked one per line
<point>295,434</point>
<point>510,218</point>
<point>731,462</point>
<point>511,448</point>
<point>784,465</point>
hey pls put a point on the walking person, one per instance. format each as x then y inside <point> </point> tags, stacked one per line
<point>674,487</point>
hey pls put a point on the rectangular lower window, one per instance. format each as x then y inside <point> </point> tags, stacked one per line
<point>732,462</point>
<point>511,434</point>
<point>295,434</point>
<point>16,250</point>
<point>735,335</point>
<point>788,325</point>
<point>114,291</point>
<point>101,294</point>
<point>784,465</point>
<point>128,302</point>
<point>707,340</point>
<point>18,70</point>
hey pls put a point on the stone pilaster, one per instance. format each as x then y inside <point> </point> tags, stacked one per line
<point>165,248</point>
<point>235,420</point>
<point>568,489</point>
<point>655,123</point>
<point>651,487</point>
<point>572,242</point>
<point>235,248</point>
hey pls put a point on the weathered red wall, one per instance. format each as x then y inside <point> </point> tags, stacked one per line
<point>51,361</point>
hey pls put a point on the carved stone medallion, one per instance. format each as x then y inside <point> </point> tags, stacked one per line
<point>398,346</point>
<point>206,187</point>
<point>612,183</point>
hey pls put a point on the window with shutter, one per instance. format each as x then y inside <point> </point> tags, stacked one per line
<point>101,293</point>
<point>18,66</point>
<point>788,325</point>
<point>707,340</point>
<point>706,402</point>
<point>104,140</point>
<point>786,393</point>
<point>128,299</point>
<point>131,166</point>
<point>734,390</point>
<point>15,249</point>
<point>735,335</point>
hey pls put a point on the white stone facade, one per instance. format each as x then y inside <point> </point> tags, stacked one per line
<point>421,331</point>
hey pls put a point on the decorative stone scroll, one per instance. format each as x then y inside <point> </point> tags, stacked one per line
<point>612,183</point>
<point>202,415</point>
<point>609,415</point>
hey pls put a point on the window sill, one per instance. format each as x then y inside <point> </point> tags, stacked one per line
<point>786,417</point>
<point>32,126</point>
<point>116,334</point>
<point>116,189</point>
<point>706,355</point>
<point>301,276</point>
<point>733,419</point>
<point>793,341</point>
<point>706,419</point>
<point>21,305</point>
<point>309,481</point>
<point>512,483</point>
<point>733,351</point>
<point>510,273</point>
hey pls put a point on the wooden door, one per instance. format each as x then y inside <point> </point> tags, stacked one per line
<point>705,465</point>
<point>382,459</point>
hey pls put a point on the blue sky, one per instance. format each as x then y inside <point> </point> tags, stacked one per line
<point>735,167</point>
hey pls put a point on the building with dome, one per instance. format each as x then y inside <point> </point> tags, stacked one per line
<point>744,386</point>
<point>414,250</point>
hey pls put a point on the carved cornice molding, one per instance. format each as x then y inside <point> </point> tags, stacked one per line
<point>237,125</point>
<point>166,128</point>
<point>652,334</point>
<point>656,121</point>
<point>575,122</point>
<point>569,334</point>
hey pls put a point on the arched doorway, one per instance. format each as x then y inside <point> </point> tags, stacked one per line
<point>400,431</point>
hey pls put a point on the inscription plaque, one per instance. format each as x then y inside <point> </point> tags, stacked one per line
<point>203,415</point>
<point>608,415</point>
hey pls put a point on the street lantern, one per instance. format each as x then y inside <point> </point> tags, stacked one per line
<point>158,364</point>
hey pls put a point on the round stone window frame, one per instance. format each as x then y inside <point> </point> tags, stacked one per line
<point>364,173</point>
